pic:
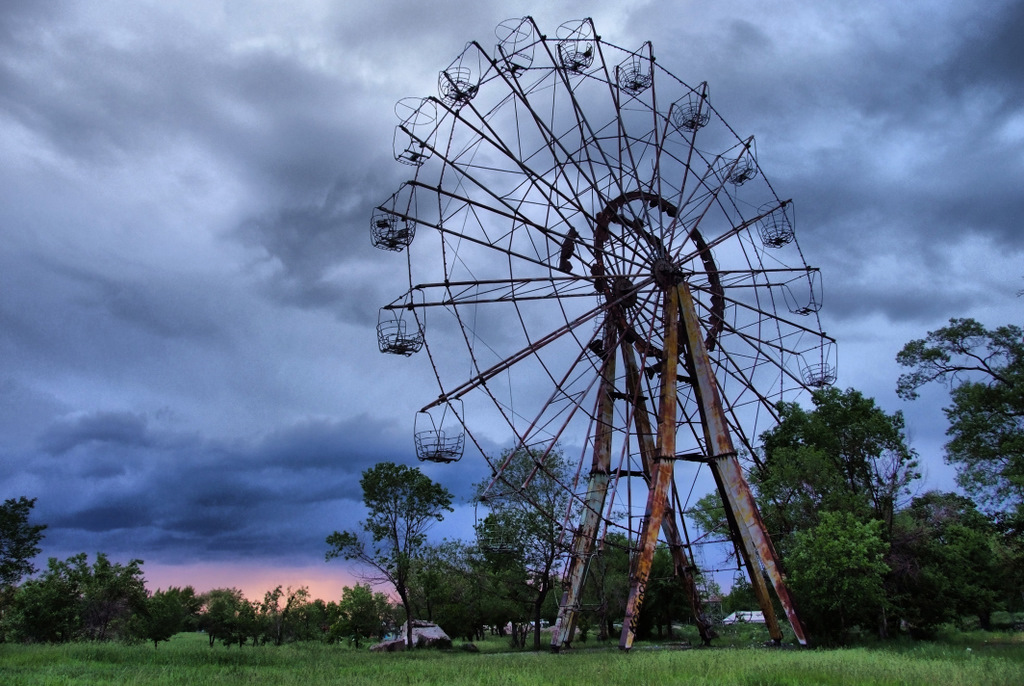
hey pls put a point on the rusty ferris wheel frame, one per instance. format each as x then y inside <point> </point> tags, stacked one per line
<point>603,269</point>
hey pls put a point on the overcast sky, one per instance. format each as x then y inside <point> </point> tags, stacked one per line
<point>188,294</point>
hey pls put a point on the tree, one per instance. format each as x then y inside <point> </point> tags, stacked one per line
<point>607,584</point>
<point>363,614</point>
<point>47,609</point>
<point>316,619</point>
<point>527,513</point>
<point>449,585</point>
<point>403,503</point>
<point>492,590</point>
<point>984,370</point>
<point>111,594</point>
<point>279,624</point>
<point>846,455</point>
<point>836,572</point>
<point>227,616</point>
<point>167,613</point>
<point>664,598</point>
<point>19,541</point>
<point>72,600</point>
<point>948,561</point>
<point>741,596</point>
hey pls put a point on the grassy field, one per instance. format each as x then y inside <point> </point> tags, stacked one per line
<point>976,658</point>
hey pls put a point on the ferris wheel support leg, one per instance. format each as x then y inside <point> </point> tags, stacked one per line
<point>597,490</point>
<point>737,493</point>
<point>661,473</point>
<point>747,551</point>
<point>682,564</point>
<point>582,548</point>
<point>744,517</point>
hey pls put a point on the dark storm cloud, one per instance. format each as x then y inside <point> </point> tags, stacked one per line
<point>907,302</point>
<point>992,54</point>
<point>894,171</point>
<point>19,16</point>
<point>187,288</point>
<point>174,84</point>
<point>129,514</point>
<point>107,320</point>
<point>119,428</point>
<point>161,310</point>
<point>351,445</point>
<point>22,410</point>
<point>409,42</point>
<point>313,249</point>
<point>171,494</point>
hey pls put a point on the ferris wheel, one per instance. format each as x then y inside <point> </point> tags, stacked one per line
<point>597,266</point>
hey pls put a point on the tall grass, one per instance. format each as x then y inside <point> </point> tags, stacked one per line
<point>188,660</point>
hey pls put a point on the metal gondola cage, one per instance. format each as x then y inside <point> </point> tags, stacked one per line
<point>692,112</point>
<point>390,225</point>
<point>398,333</point>
<point>776,227</point>
<point>821,371</point>
<point>576,45</point>
<point>438,433</point>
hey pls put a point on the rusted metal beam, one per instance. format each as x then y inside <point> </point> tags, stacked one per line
<point>597,490</point>
<point>736,496</point>
<point>748,554</point>
<point>641,416</point>
<point>661,472</point>
<point>645,438</point>
<point>745,509</point>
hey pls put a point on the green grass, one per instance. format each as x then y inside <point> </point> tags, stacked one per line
<point>970,658</point>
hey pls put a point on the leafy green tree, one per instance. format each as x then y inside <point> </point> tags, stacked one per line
<point>526,512</point>
<point>449,587</point>
<point>228,617</point>
<point>498,579</point>
<point>607,586</point>
<point>270,616</point>
<point>502,568</point>
<point>845,455</point>
<point>837,571</point>
<point>844,458</point>
<point>363,614</point>
<point>403,503</point>
<point>664,599</point>
<point>167,613</point>
<point>948,561</point>
<point>72,600</point>
<point>741,595</point>
<point>111,594</point>
<point>19,541</point>
<point>984,370</point>
<point>280,624</point>
<point>316,619</point>
<point>47,609</point>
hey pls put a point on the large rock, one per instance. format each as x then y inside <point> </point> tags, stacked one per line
<point>395,645</point>
<point>424,635</point>
<point>427,635</point>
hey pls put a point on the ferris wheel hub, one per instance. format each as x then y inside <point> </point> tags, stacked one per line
<point>623,292</point>
<point>667,273</point>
